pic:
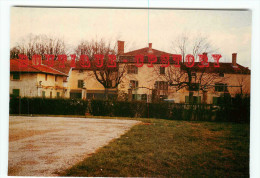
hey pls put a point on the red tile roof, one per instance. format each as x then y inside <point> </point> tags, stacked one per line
<point>15,66</point>
<point>226,68</point>
<point>57,66</point>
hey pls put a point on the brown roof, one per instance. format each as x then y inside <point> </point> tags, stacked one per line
<point>80,67</point>
<point>15,66</point>
<point>226,68</point>
<point>223,67</point>
<point>145,52</point>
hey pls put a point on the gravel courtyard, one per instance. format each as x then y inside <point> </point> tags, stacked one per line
<point>44,146</point>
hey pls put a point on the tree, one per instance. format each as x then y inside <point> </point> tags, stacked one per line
<point>192,78</point>
<point>109,77</point>
<point>243,81</point>
<point>41,45</point>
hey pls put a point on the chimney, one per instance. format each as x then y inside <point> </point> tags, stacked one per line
<point>234,59</point>
<point>205,63</point>
<point>150,48</point>
<point>120,47</point>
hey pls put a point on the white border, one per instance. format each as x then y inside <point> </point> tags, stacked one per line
<point>253,5</point>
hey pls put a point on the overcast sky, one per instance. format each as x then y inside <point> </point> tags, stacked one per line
<point>228,31</point>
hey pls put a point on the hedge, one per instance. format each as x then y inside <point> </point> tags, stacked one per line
<point>238,111</point>
<point>47,106</point>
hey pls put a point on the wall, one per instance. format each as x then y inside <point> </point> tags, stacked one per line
<point>50,85</point>
<point>26,84</point>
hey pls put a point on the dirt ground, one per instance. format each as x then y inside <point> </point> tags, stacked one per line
<point>44,146</point>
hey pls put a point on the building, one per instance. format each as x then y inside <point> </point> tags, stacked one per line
<point>36,80</point>
<point>210,83</point>
<point>146,83</point>
<point>141,81</point>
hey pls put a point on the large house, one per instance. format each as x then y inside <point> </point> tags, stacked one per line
<point>211,83</point>
<point>206,85</point>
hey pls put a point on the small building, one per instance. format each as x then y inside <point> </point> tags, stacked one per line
<point>32,80</point>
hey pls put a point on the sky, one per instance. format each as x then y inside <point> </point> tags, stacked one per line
<point>228,31</point>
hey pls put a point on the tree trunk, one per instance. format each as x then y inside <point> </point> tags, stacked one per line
<point>205,97</point>
<point>106,93</point>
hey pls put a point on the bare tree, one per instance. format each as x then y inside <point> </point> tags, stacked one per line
<point>192,78</point>
<point>109,77</point>
<point>41,45</point>
<point>244,83</point>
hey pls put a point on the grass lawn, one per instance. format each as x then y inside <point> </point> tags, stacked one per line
<point>172,148</point>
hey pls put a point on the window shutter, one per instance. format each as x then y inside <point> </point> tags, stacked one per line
<point>186,99</point>
<point>215,100</point>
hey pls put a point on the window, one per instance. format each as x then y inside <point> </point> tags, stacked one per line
<point>46,77</point>
<point>132,69</point>
<point>133,84</point>
<point>51,94</point>
<point>75,95</point>
<point>221,74</point>
<point>16,76</point>
<point>144,97</point>
<point>220,100</point>
<point>80,84</point>
<point>136,97</point>
<point>195,99</point>
<point>43,94</point>
<point>215,100</point>
<point>58,94</point>
<point>161,85</point>
<point>162,70</point>
<point>221,87</point>
<point>16,92</point>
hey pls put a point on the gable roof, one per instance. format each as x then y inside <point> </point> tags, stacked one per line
<point>15,66</point>
<point>145,52</point>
